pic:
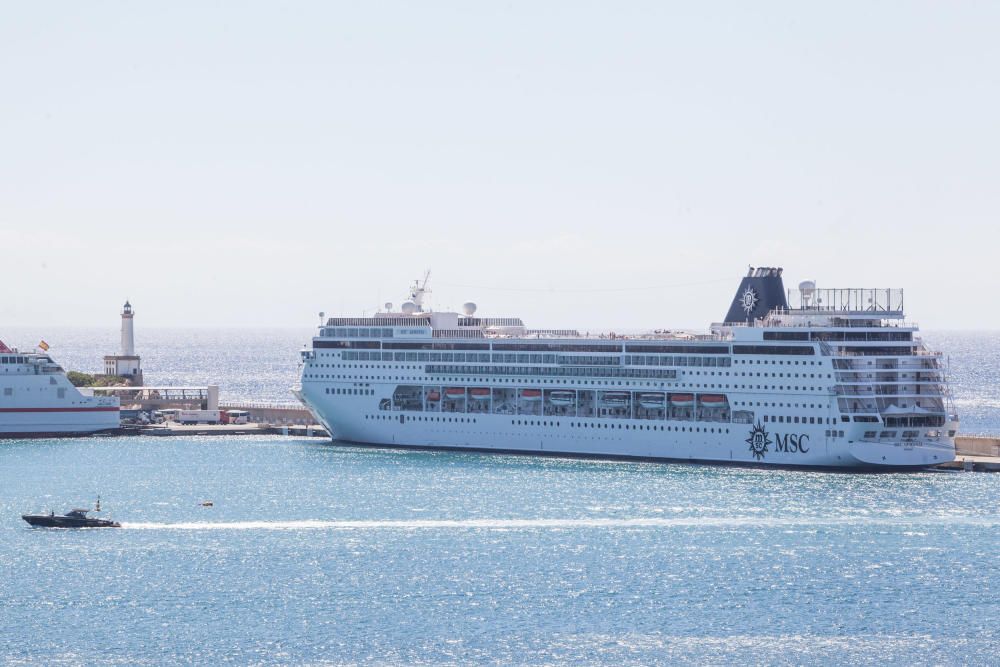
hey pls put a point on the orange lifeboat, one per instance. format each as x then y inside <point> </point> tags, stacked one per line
<point>682,400</point>
<point>712,400</point>
<point>433,396</point>
<point>454,392</point>
<point>531,394</point>
<point>479,393</point>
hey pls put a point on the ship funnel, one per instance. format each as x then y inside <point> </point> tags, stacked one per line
<point>760,292</point>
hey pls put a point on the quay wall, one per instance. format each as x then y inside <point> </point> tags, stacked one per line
<point>273,413</point>
<point>976,445</point>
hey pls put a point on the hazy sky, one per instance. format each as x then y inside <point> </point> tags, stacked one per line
<point>247,163</point>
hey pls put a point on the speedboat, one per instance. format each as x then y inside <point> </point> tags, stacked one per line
<point>75,518</point>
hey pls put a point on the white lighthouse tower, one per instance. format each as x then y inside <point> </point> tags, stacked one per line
<point>128,335</point>
<point>125,364</point>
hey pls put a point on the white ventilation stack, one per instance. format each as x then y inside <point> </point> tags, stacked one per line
<point>807,290</point>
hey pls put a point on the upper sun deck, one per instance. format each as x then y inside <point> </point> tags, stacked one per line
<point>853,302</point>
<point>761,302</point>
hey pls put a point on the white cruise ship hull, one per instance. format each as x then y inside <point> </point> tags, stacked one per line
<point>357,421</point>
<point>808,378</point>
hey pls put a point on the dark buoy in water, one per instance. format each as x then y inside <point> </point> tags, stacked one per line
<point>207,503</point>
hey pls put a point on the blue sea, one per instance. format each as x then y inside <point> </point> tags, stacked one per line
<point>319,554</point>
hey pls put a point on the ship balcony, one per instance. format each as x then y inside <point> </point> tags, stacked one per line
<point>894,383</point>
<point>867,364</point>
<point>860,410</point>
<point>913,396</point>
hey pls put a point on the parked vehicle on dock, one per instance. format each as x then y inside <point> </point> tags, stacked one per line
<point>168,414</point>
<point>238,416</point>
<point>192,417</point>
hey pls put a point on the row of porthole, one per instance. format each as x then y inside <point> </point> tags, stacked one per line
<point>421,418</point>
<point>627,427</point>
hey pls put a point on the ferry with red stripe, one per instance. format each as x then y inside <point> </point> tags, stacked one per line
<point>37,399</point>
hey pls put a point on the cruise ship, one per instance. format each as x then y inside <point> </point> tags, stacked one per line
<point>37,399</point>
<point>808,377</point>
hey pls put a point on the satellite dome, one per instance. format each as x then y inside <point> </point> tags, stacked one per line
<point>807,288</point>
<point>469,308</point>
<point>409,308</point>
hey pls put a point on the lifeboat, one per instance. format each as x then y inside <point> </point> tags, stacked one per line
<point>531,394</point>
<point>433,397</point>
<point>682,400</point>
<point>712,400</point>
<point>454,392</point>
<point>562,397</point>
<point>479,393</point>
<point>616,398</point>
<point>651,400</point>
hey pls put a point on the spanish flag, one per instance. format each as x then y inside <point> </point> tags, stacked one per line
<point>44,346</point>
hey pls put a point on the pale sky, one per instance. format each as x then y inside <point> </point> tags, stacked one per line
<point>250,163</point>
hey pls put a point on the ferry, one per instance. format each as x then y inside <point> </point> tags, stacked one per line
<point>38,400</point>
<point>806,377</point>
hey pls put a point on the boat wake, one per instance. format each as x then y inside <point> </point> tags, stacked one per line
<point>570,524</point>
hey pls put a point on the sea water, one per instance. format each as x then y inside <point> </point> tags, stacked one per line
<point>315,553</point>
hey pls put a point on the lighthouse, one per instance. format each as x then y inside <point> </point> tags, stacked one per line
<point>128,336</point>
<point>126,363</point>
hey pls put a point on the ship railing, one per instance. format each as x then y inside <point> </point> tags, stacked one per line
<point>915,355</point>
<point>656,335</point>
<point>861,410</point>
<point>799,319</point>
<point>260,405</point>
<point>458,333</point>
<point>871,382</point>
<point>847,391</point>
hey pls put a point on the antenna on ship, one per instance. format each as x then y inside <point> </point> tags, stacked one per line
<point>419,291</point>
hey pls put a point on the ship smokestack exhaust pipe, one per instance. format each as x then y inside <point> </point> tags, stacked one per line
<point>760,292</point>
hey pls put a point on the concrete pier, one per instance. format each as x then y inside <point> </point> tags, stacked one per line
<point>975,453</point>
<point>272,413</point>
<point>977,445</point>
<point>172,429</point>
